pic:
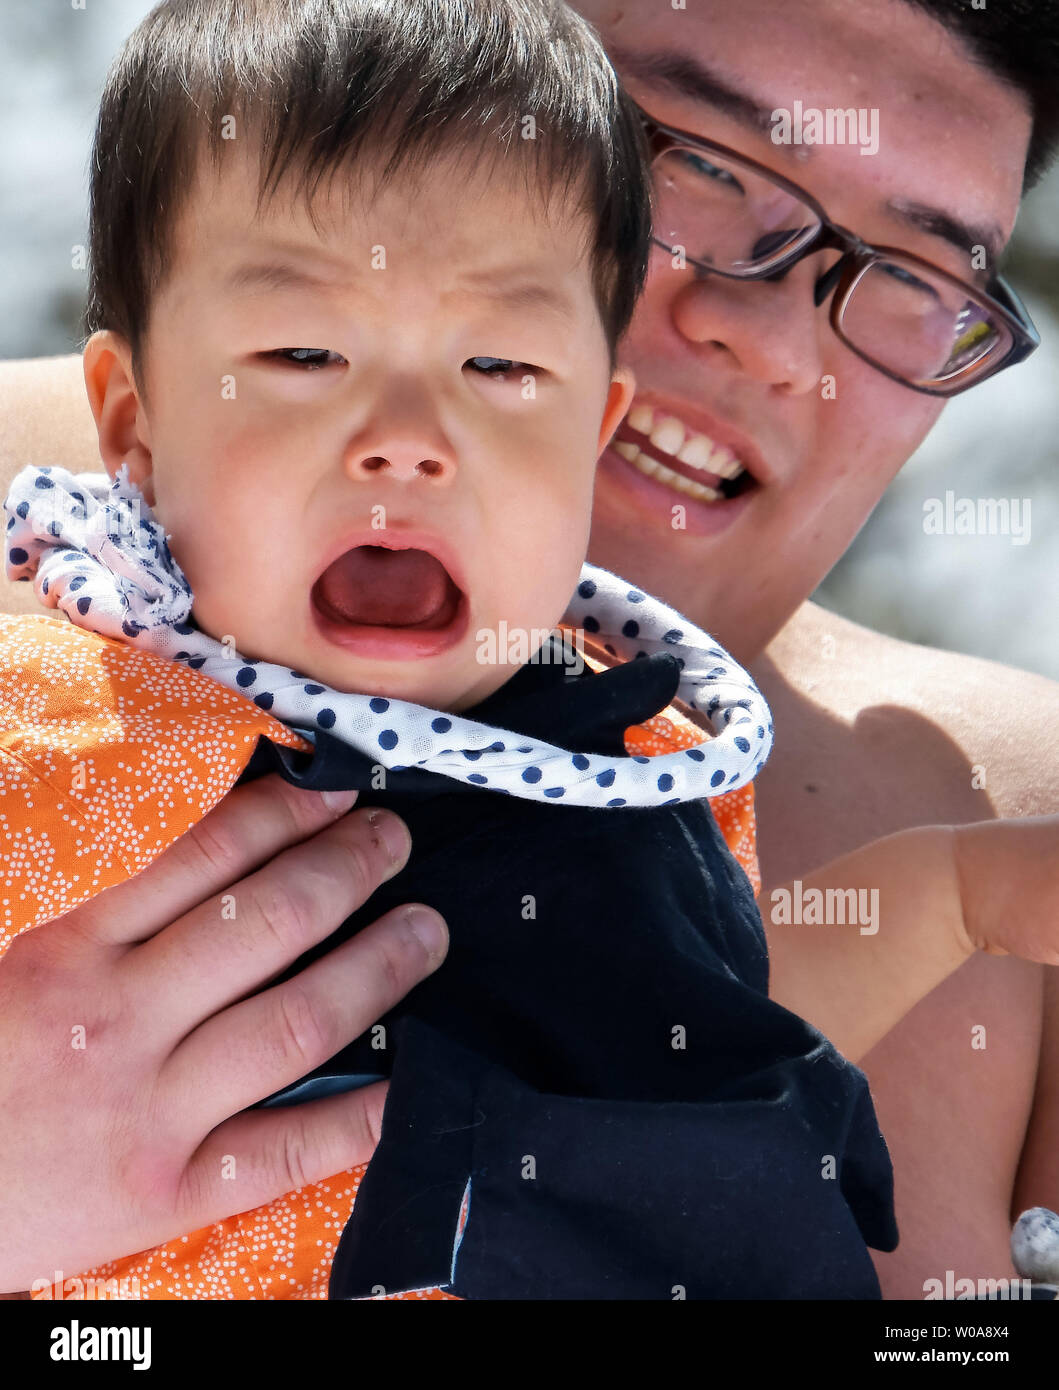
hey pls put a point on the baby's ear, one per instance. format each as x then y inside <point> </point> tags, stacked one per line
<point>118,409</point>
<point>619,398</point>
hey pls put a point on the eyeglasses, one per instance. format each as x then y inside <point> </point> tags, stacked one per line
<point>727,215</point>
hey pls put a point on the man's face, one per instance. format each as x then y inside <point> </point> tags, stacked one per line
<point>327,409</point>
<point>743,364</point>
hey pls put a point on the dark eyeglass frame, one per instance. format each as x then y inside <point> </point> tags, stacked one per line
<point>857,257</point>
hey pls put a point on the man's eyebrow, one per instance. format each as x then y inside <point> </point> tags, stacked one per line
<point>963,235</point>
<point>690,78</point>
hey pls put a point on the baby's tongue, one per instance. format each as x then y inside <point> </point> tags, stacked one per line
<point>385,588</point>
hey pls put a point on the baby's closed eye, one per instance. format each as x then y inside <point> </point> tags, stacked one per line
<point>311,359</point>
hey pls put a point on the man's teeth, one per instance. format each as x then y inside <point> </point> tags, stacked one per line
<point>672,436</point>
<point>662,474</point>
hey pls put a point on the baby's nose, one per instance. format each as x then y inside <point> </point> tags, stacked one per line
<point>401,464</point>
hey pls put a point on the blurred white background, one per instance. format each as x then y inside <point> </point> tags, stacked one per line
<point>977,594</point>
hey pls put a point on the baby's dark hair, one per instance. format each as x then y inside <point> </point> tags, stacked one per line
<point>321,82</point>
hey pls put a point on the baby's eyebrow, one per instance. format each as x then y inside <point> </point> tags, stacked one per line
<point>513,294</point>
<point>521,294</point>
<point>275,275</point>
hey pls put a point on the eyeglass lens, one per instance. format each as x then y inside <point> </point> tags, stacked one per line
<point>921,327</point>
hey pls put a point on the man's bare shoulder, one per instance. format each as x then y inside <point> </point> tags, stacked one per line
<point>1003,719</point>
<point>45,417</point>
<point>44,420</point>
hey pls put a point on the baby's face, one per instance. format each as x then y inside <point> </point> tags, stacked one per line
<point>374,439</point>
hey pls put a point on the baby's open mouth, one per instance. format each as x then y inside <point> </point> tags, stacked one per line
<point>374,586</point>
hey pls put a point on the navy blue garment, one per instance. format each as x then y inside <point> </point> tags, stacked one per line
<point>597,1057</point>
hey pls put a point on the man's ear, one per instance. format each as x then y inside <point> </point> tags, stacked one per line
<point>619,398</point>
<point>121,420</point>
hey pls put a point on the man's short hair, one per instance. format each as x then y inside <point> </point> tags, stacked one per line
<point>325,85</point>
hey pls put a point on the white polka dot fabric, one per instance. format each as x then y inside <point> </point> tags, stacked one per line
<point>94,550</point>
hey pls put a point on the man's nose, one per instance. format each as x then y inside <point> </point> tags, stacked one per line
<point>768,329</point>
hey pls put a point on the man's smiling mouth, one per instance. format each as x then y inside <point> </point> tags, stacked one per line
<point>664,448</point>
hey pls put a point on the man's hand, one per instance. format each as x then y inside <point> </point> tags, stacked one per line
<point>132,1040</point>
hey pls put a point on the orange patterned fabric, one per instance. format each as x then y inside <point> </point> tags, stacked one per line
<point>107,756</point>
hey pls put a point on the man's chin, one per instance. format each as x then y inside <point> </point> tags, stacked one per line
<point>707,578</point>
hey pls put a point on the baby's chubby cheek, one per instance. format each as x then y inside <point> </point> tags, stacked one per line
<point>238,594</point>
<point>536,590</point>
<point>537,550</point>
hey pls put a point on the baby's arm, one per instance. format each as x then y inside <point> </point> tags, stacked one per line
<point>941,893</point>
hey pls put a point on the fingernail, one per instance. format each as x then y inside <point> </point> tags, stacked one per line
<point>393,831</point>
<point>339,801</point>
<point>429,928</point>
